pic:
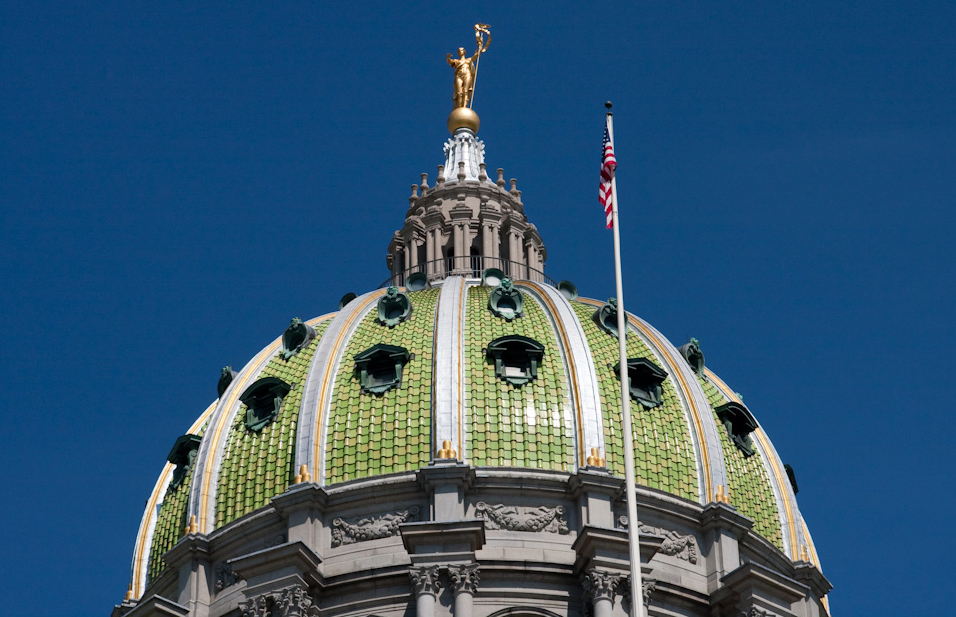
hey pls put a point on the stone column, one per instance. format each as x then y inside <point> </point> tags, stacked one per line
<point>464,580</point>
<point>599,587</point>
<point>426,586</point>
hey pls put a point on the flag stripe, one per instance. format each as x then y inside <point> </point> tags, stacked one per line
<point>608,165</point>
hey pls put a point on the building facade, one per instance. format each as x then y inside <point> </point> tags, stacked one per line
<point>447,446</point>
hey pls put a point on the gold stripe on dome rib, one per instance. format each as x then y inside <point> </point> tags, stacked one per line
<point>813,550</point>
<point>151,507</point>
<point>572,368</point>
<point>327,378</point>
<point>237,390</point>
<point>688,395</point>
<point>775,469</point>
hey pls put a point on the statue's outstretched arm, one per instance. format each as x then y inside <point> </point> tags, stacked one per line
<point>448,60</point>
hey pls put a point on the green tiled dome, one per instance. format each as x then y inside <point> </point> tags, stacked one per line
<point>450,403</point>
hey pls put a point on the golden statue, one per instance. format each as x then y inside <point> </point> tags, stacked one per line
<point>466,69</point>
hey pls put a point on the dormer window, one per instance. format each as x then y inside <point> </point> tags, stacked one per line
<point>506,301</point>
<point>516,358</point>
<point>183,455</point>
<point>739,423</point>
<point>295,337</point>
<point>263,400</point>
<point>379,368</point>
<point>606,317</point>
<point>393,308</point>
<point>644,381</point>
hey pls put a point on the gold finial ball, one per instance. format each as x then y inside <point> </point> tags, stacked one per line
<point>463,118</point>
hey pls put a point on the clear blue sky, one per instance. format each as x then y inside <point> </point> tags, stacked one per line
<point>178,180</point>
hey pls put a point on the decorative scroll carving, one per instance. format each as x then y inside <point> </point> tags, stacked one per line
<point>292,601</point>
<point>533,519</point>
<point>225,577</point>
<point>370,528</point>
<point>425,579</point>
<point>599,584</point>
<point>756,612</point>
<point>464,578</point>
<point>675,545</point>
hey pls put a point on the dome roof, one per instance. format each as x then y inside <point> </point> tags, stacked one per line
<point>494,376</point>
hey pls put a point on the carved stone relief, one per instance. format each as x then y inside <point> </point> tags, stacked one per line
<point>292,601</point>
<point>370,527</point>
<point>648,585</point>
<point>756,612</point>
<point>675,545</point>
<point>225,577</point>
<point>425,579</point>
<point>514,518</point>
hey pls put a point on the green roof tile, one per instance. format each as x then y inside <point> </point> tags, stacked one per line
<point>663,450</point>
<point>251,473</point>
<point>747,481</point>
<point>514,415</point>
<point>398,416</point>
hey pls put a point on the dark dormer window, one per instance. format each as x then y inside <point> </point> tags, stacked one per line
<point>183,455</point>
<point>263,400</point>
<point>644,381</point>
<point>393,308</point>
<point>739,423</point>
<point>606,317</point>
<point>506,301</point>
<point>516,358</point>
<point>694,356</point>
<point>295,337</point>
<point>379,368</point>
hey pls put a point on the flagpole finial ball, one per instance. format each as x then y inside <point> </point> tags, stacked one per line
<point>608,105</point>
<point>463,118</point>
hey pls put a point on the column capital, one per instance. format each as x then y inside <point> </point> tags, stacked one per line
<point>600,584</point>
<point>425,580</point>
<point>464,578</point>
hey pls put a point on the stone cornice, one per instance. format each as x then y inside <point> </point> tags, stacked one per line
<point>718,515</point>
<point>444,541</point>
<point>751,577</point>
<point>810,575</point>
<point>604,547</point>
<point>295,555</point>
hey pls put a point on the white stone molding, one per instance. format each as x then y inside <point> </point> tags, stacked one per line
<point>586,395</point>
<point>449,366</point>
<point>202,491</point>
<point>317,394</point>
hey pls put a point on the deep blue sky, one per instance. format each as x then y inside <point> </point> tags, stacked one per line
<point>178,181</point>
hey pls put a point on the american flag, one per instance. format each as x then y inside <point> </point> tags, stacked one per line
<point>608,165</point>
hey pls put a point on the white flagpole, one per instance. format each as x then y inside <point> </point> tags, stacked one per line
<point>633,528</point>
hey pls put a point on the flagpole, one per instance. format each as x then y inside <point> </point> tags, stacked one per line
<point>633,527</point>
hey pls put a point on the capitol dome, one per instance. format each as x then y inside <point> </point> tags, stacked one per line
<point>449,444</point>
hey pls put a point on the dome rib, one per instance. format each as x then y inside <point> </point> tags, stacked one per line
<point>449,380</point>
<point>147,527</point>
<point>786,500</point>
<point>214,442</point>
<point>585,391</point>
<point>317,389</point>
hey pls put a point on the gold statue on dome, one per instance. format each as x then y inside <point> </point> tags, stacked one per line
<point>466,69</point>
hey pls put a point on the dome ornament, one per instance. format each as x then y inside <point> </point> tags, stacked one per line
<point>596,460</point>
<point>225,378</point>
<point>446,451</point>
<point>183,456</point>
<point>505,301</point>
<point>606,317</point>
<point>393,308</point>
<point>694,356</point>
<point>295,337</point>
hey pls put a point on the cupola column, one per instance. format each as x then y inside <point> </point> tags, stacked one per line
<point>490,240</point>
<point>461,219</point>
